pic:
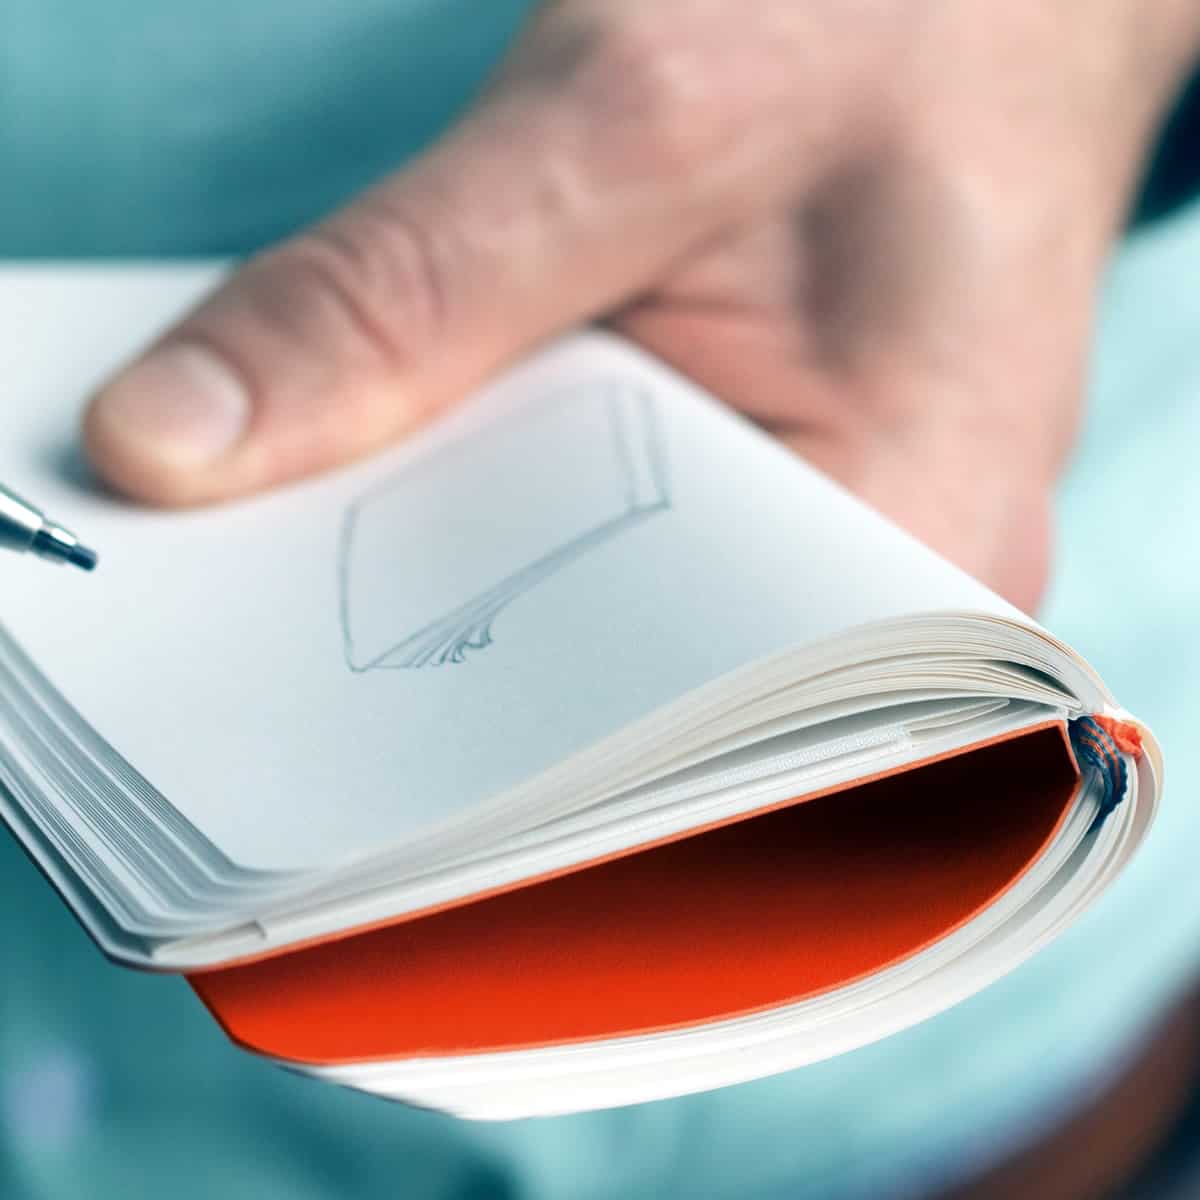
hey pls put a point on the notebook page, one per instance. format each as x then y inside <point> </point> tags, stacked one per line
<point>340,664</point>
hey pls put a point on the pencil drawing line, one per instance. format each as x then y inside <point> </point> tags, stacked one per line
<point>640,494</point>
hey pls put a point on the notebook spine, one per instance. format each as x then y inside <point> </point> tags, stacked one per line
<point>1099,752</point>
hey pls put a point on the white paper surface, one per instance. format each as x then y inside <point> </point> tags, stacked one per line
<point>212,650</point>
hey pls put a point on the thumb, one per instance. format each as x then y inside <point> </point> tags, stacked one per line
<point>542,208</point>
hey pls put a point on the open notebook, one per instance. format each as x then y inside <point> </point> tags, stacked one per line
<point>585,749</point>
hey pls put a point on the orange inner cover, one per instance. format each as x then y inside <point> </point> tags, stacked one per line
<point>748,915</point>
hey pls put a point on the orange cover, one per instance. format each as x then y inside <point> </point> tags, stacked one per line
<point>748,915</point>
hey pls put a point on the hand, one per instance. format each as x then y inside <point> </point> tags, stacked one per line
<point>874,226</point>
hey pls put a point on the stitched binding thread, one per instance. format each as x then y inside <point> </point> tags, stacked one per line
<point>1096,747</point>
<point>1125,733</point>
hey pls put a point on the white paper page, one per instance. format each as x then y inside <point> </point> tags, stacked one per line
<point>591,537</point>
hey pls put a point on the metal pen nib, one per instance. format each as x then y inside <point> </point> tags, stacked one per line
<point>57,544</point>
<point>25,529</point>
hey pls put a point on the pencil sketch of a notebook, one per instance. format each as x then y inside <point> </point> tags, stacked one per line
<point>743,784</point>
<point>564,475</point>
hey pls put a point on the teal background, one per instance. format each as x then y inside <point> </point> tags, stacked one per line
<point>142,127</point>
<point>139,128</point>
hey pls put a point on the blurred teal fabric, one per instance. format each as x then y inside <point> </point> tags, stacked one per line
<point>159,127</point>
<point>135,127</point>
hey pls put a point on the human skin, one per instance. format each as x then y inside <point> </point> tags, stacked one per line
<point>875,226</point>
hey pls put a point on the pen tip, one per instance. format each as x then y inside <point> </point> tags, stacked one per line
<point>83,557</point>
<point>61,545</point>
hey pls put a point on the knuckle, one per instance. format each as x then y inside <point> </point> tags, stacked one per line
<point>375,275</point>
<point>638,83</point>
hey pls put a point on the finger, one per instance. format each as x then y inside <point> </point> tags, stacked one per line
<point>572,184</point>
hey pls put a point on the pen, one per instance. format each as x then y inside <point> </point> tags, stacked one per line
<point>24,528</point>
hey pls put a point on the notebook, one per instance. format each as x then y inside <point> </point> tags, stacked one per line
<point>588,747</point>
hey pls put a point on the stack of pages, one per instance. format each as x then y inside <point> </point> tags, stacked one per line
<point>586,748</point>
